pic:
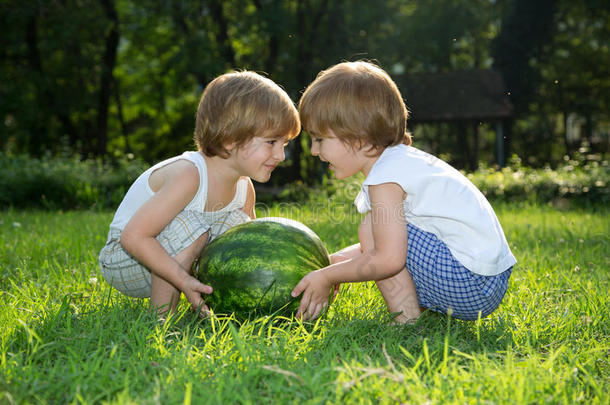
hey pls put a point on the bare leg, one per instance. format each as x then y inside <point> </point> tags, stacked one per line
<point>398,291</point>
<point>164,296</point>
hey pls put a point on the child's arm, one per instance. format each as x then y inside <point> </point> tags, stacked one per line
<point>384,259</point>
<point>250,200</point>
<point>177,188</point>
<point>346,253</point>
<point>340,256</point>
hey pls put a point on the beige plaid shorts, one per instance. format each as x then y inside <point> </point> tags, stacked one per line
<point>125,273</point>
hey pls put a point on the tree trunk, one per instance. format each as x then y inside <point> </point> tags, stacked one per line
<point>46,97</point>
<point>465,160</point>
<point>180,22</point>
<point>566,138</point>
<point>106,78</point>
<point>474,162</point>
<point>223,32</point>
<point>307,39</point>
<point>273,44</point>
<point>120,116</point>
<point>508,125</point>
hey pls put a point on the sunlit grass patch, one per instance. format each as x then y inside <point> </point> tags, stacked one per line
<point>68,337</point>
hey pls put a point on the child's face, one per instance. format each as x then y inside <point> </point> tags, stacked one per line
<point>343,160</point>
<point>259,157</point>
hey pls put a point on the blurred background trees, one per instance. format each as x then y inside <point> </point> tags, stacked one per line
<point>114,77</point>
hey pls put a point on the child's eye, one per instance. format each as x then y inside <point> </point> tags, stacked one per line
<point>316,139</point>
<point>274,141</point>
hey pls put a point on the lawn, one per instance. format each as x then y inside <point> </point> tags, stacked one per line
<point>67,337</point>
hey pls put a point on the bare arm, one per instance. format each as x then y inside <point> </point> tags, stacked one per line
<point>177,187</point>
<point>250,201</point>
<point>346,253</point>
<point>388,255</point>
<point>386,258</point>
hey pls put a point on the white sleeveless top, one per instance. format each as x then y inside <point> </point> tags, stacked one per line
<point>442,201</point>
<point>140,192</point>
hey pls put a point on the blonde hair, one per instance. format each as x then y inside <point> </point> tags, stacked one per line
<point>237,106</point>
<point>359,103</point>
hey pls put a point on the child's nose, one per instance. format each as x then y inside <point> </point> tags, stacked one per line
<point>279,153</point>
<point>315,149</point>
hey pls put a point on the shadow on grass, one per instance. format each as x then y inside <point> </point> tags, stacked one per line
<point>373,340</point>
<point>122,332</point>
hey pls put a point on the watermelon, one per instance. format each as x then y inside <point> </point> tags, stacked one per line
<point>254,266</point>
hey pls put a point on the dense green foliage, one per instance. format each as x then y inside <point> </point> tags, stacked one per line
<point>66,183</point>
<point>253,267</point>
<point>105,78</point>
<point>67,337</point>
<point>583,180</point>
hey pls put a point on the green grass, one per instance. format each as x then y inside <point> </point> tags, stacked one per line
<point>67,337</point>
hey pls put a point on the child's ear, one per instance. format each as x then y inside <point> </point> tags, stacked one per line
<point>360,145</point>
<point>230,147</point>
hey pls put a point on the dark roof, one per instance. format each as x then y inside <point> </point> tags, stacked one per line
<point>455,96</point>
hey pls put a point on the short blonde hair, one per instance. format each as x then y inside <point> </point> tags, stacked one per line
<point>237,106</point>
<point>358,102</point>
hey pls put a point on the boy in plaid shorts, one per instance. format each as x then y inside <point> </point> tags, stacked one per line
<point>177,206</point>
<point>429,238</point>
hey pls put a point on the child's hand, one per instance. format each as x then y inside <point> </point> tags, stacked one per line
<point>315,288</point>
<point>336,288</point>
<point>192,290</point>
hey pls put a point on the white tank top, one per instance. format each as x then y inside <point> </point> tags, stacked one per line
<point>140,192</point>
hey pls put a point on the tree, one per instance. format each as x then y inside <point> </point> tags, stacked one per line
<point>54,90</point>
<point>555,58</point>
<point>575,69</point>
<point>526,29</point>
<point>121,76</point>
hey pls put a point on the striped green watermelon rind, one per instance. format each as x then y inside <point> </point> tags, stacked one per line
<point>254,266</point>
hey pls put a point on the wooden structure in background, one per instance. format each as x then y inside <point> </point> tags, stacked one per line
<point>465,98</point>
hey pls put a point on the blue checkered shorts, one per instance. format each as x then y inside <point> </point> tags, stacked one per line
<point>444,285</point>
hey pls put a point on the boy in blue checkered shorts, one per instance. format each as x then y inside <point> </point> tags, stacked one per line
<point>429,239</point>
<point>177,206</point>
